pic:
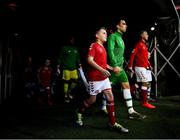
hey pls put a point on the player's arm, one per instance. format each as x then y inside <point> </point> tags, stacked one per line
<point>91,62</point>
<point>110,50</point>
<point>109,67</point>
<point>59,60</point>
<point>131,59</point>
<point>78,59</point>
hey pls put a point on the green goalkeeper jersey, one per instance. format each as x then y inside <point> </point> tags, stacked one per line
<point>115,50</point>
<point>69,58</point>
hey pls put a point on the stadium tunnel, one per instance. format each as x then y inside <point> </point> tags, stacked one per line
<point>39,29</point>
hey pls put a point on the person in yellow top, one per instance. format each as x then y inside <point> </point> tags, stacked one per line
<point>68,63</point>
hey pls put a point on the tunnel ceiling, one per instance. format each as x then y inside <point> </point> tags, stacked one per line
<point>52,18</point>
<point>90,11</point>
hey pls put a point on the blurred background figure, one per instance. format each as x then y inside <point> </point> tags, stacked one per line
<point>68,64</point>
<point>45,83</point>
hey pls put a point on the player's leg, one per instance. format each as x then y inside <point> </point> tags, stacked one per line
<point>82,107</point>
<point>66,80</point>
<point>123,79</point>
<point>111,113</point>
<point>74,82</point>
<point>142,77</point>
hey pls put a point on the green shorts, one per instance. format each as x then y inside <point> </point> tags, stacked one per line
<point>118,78</point>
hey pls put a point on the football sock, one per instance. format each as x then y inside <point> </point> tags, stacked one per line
<point>128,99</point>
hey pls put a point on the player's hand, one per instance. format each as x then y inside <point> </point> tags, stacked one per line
<point>131,69</point>
<point>80,65</point>
<point>117,70</point>
<point>105,73</point>
<point>151,68</point>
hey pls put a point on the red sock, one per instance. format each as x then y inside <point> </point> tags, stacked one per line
<point>144,96</point>
<point>111,112</point>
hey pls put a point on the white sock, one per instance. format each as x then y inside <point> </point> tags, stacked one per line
<point>128,98</point>
<point>148,92</point>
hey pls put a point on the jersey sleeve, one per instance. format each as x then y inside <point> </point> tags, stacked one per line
<point>131,59</point>
<point>110,50</point>
<point>91,51</point>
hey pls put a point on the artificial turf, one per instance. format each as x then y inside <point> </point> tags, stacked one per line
<point>21,120</point>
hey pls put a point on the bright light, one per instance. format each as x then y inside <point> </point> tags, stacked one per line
<point>152,28</point>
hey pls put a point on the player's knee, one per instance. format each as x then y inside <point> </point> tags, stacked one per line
<point>145,84</point>
<point>91,100</point>
<point>125,85</point>
<point>110,98</point>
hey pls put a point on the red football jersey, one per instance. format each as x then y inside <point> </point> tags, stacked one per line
<point>98,52</point>
<point>45,76</point>
<point>139,56</point>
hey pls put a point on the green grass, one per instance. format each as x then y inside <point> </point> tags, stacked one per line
<point>25,121</point>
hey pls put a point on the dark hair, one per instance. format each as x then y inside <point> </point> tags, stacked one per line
<point>95,31</point>
<point>119,20</point>
<point>116,21</point>
<point>99,28</point>
<point>140,33</point>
